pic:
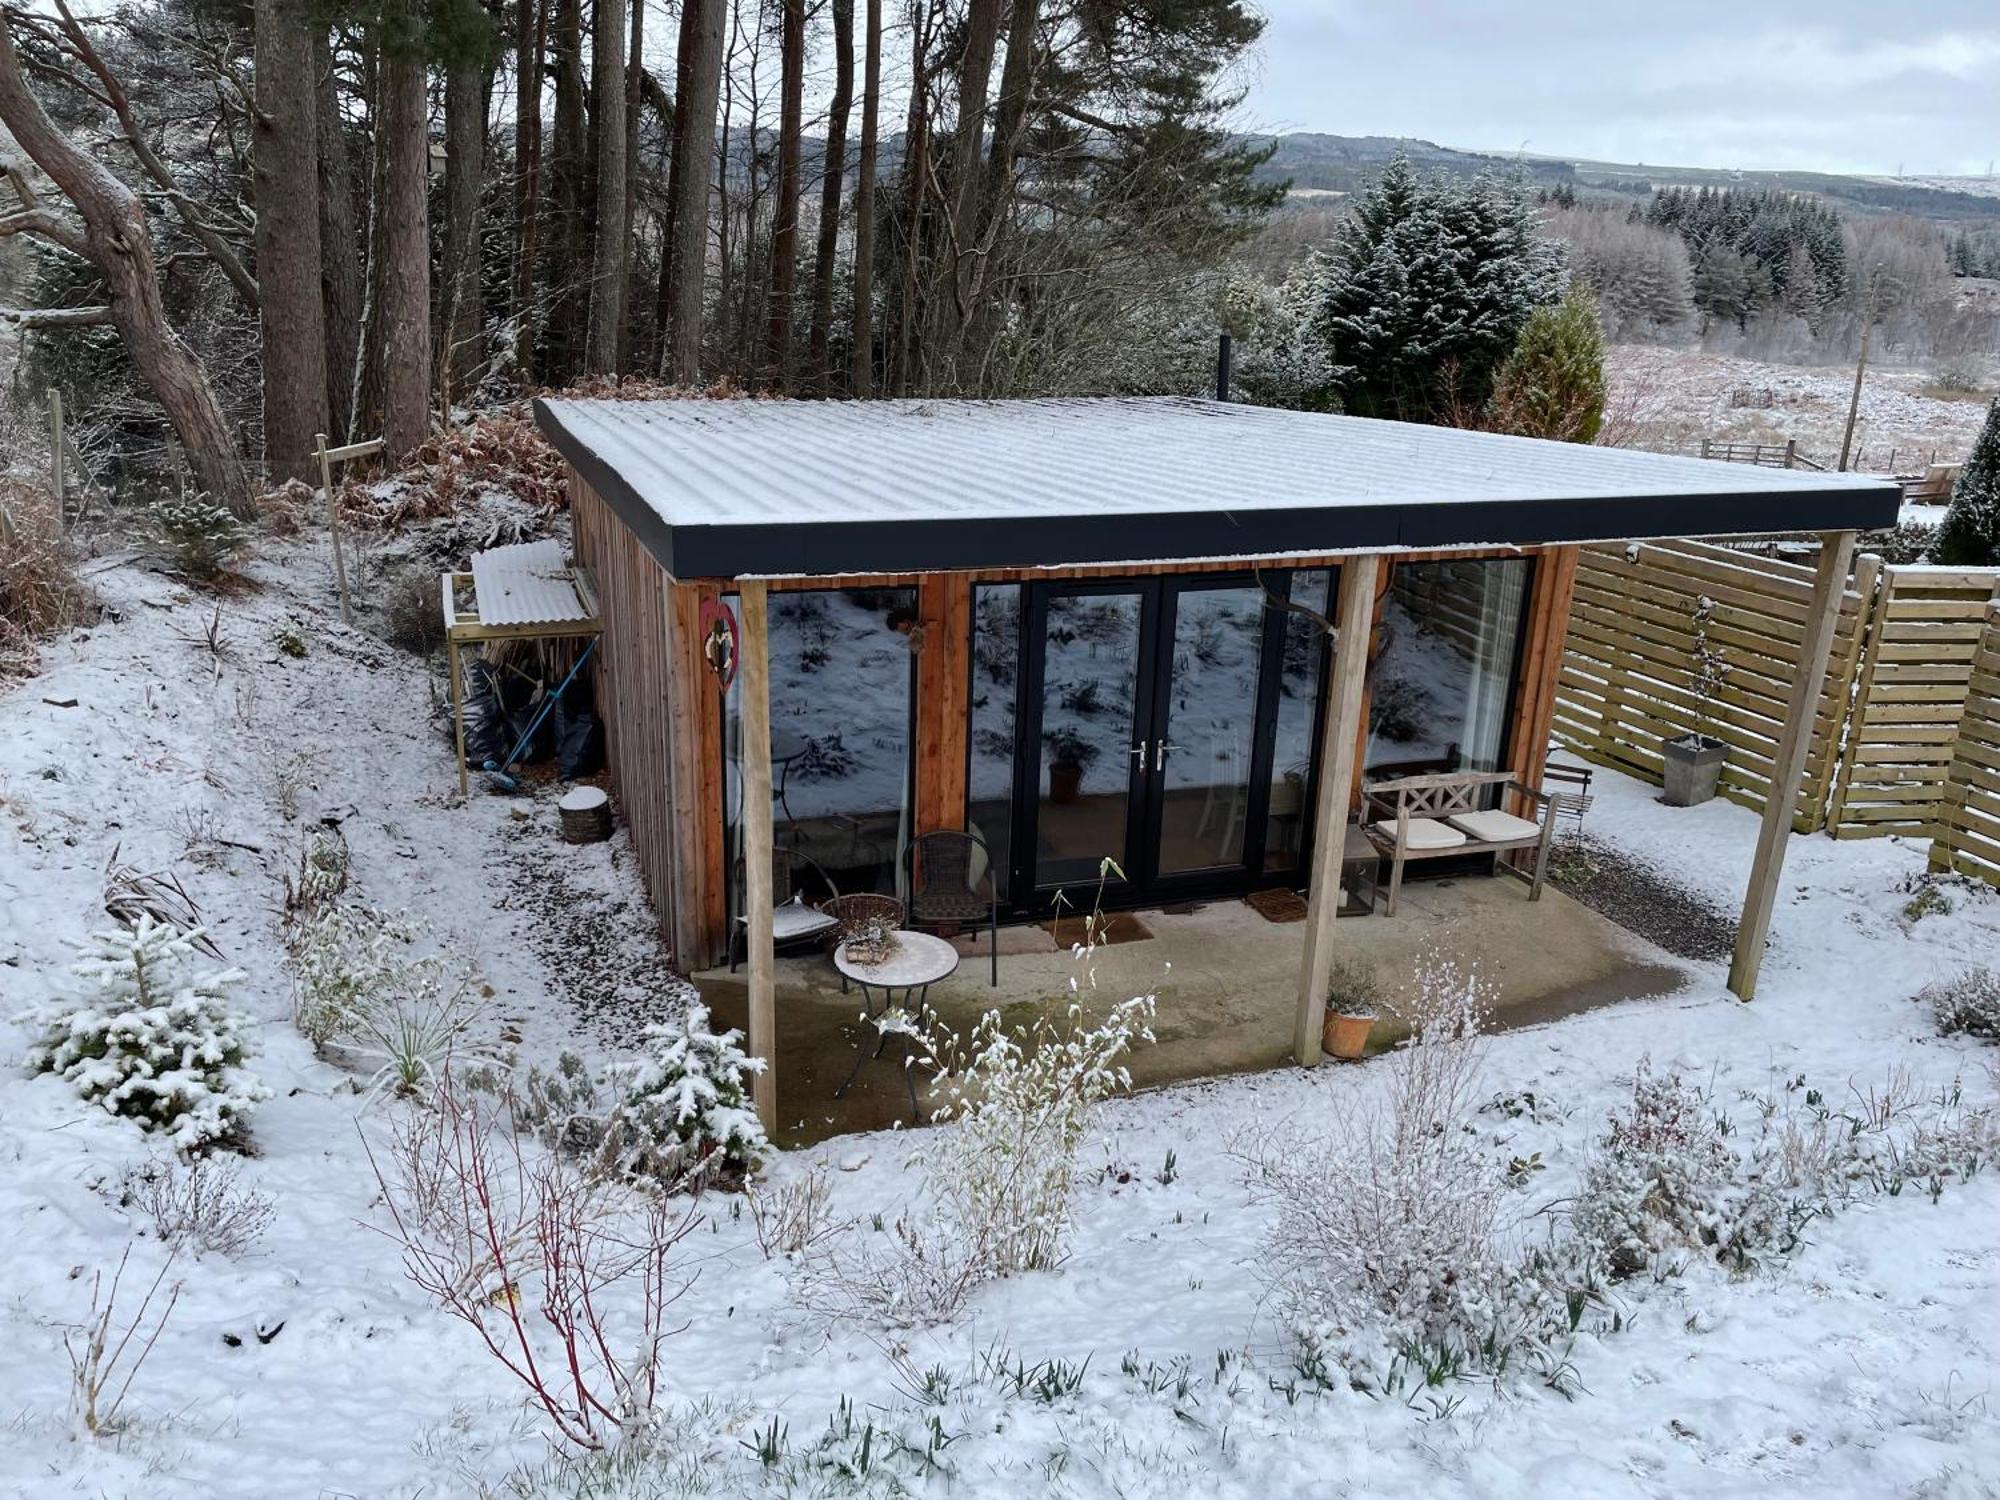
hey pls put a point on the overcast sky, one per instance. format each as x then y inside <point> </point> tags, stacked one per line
<point>1830,85</point>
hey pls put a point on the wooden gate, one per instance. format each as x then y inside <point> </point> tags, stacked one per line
<point>1923,630</point>
<point>1967,836</point>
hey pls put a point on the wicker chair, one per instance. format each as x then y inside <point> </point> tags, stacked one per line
<point>795,920</point>
<point>951,885</point>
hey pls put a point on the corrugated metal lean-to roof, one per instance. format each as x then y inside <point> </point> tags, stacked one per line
<point>819,488</point>
<point>529,584</point>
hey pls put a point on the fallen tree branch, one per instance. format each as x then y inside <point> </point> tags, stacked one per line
<point>55,317</point>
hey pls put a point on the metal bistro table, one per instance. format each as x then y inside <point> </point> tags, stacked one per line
<point>905,979</point>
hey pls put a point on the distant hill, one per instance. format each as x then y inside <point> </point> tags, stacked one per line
<point>1345,163</point>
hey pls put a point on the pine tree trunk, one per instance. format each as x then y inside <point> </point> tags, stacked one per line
<point>460,318</point>
<point>568,252</point>
<point>833,178</point>
<point>530,36</point>
<point>1017,79</point>
<point>948,305</point>
<point>629,299</point>
<point>285,176</point>
<point>118,241</point>
<point>607,123</point>
<point>862,358</point>
<point>366,414</point>
<point>406,253</point>
<point>916,169</point>
<point>341,256</point>
<point>778,353</point>
<point>684,266</point>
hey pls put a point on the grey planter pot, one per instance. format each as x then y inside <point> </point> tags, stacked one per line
<point>1693,766</point>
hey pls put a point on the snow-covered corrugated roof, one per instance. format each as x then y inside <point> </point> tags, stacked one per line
<point>529,584</point>
<point>738,488</point>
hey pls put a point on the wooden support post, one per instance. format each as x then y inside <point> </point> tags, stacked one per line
<point>1339,739</point>
<point>1836,554</point>
<point>333,526</point>
<point>755,681</point>
<point>453,652</point>
<point>56,476</point>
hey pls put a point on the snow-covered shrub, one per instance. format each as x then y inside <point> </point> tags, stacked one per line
<point>200,536</point>
<point>360,981</point>
<point>999,1169</point>
<point>323,874</point>
<point>1666,1181</point>
<point>1020,1099</point>
<point>565,1279</point>
<point>196,1204</point>
<point>1392,1255</point>
<point>678,1116</point>
<point>1967,1002</point>
<point>1657,1182</point>
<point>153,1036</point>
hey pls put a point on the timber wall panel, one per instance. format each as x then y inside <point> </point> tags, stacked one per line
<point>633,671</point>
<point>1925,629</point>
<point>1627,673</point>
<point>1967,833</point>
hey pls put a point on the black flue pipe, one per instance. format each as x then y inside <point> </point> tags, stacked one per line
<point>1222,368</point>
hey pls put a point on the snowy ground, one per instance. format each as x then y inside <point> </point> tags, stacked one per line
<point>1865,1365</point>
<point>1670,399</point>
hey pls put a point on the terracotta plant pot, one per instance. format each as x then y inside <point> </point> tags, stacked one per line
<point>1064,779</point>
<point>1346,1037</point>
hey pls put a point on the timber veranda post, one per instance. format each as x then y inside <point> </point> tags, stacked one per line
<point>1339,738</point>
<point>1836,555</point>
<point>755,681</point>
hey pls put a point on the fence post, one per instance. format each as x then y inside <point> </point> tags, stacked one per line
<point>56,476</point>
<point>333,526</point>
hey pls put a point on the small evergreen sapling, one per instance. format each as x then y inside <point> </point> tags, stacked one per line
<point>692,1085</point>
<point>153,1037</point>
<point>1970,535</point>
<point>1551,384</point>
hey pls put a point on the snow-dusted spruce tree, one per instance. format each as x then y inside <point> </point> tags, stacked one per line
<point>1427,287</point>
<point>153,1036</point>
<point>1551,384</point>
<point>687,1101</point>
<point>1970,535</point>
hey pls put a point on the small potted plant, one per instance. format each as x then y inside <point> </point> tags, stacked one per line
<point>1693,761</point>
<point>1353,1001</point>
<point>872,941</point>
<point>1069,753</point>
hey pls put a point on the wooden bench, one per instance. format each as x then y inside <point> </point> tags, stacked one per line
<point>1444,815</point>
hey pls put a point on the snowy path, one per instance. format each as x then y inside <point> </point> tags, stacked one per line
<point>1864,1366</point>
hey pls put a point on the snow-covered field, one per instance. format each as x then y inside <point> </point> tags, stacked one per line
<point>1670,399</point>
<point>1863,1365</point>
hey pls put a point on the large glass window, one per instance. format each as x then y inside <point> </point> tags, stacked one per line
<point>995,693</point>
<point>842,685</point>
<point>1444,678</point>
<point>1300,665</point>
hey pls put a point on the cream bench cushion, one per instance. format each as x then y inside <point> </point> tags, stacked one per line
<point>794,919</point>
<point>1495,827</point>
<point>1424,833</point>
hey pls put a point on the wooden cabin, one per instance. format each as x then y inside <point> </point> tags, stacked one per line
<point>1083,628</point>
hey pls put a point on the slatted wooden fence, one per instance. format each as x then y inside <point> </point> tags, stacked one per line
<point>1628,675</point>
<point>1923,630</point>
<point>1967,836</point>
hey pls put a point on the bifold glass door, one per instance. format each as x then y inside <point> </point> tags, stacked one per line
<point>1150,715</point>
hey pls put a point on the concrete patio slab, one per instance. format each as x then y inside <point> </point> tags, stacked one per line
<point>1226,981</point>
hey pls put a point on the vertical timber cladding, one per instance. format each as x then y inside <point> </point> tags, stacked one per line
<point>636,698</point>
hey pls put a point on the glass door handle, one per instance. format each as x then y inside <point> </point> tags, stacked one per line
<point>1139,750</point>
<point>1160,749</point>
